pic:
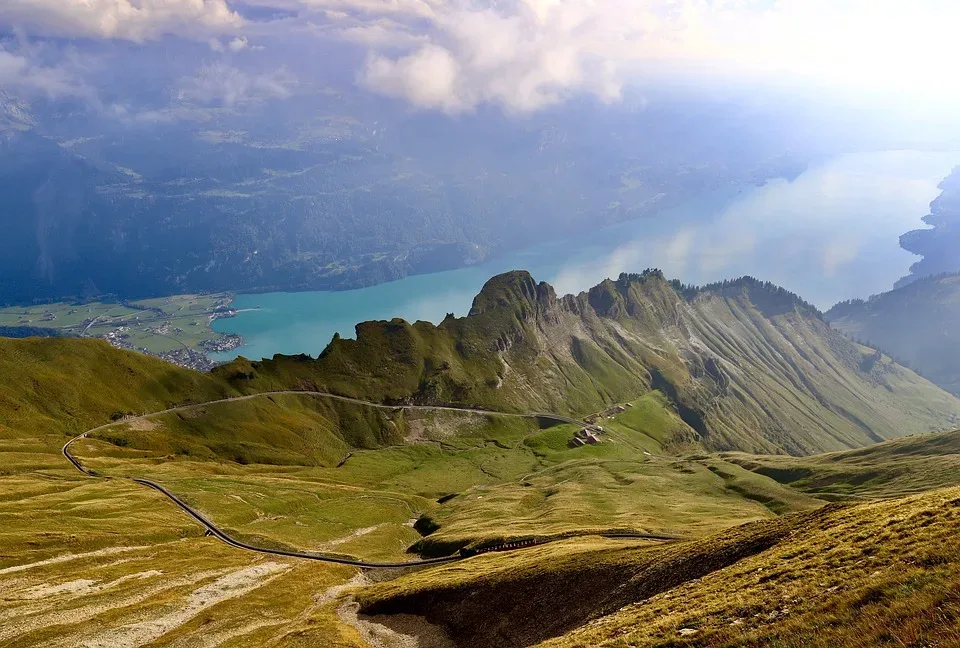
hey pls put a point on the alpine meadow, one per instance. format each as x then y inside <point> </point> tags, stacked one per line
<point>479,324</point>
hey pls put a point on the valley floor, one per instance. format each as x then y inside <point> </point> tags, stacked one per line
<point>175,328</point>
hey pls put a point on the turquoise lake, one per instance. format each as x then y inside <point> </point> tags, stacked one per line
<point>830,234</point>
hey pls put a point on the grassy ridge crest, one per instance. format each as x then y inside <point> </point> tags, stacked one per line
<point>747,365</point>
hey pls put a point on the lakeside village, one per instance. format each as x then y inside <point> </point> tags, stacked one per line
<point>185,356</point>
<point>189,358</point>
<point>176,329</point>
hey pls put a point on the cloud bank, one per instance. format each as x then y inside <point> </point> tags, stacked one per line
<point>24,70</point>
<point>524,55</point>
<point>225,85</point>
<point>521,55</point>
<point>133,20</point>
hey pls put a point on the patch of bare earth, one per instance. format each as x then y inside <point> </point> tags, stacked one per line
<point>232,585</point>
<point>393,631</point>
<point>66,558</point>
<point>333,544</point>
<point>401,631</point>
<point>80,587</point>
<point>142,424</point>
<point>25,619</point>
<point>215,639</point>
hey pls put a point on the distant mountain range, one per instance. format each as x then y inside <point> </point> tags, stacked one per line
<point>918,323</point>
<point>15,114</point>
<point>939,245</point>
<point>335,193</point>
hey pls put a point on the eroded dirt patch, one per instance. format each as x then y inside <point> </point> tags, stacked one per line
<point>66,558</point>
<point>142,424</point>
<point>230,586</point>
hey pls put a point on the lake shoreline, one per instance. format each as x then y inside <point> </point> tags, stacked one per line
<point>830,234</point>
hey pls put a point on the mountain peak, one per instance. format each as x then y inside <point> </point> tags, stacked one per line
<point>514,289</point>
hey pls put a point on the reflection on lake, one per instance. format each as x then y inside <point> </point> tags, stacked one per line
<point>831,234</point>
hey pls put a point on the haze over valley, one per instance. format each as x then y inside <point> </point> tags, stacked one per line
<point>829,234</point>
<point>479,324</point>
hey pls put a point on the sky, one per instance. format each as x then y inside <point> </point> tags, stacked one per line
<point>159,59</point>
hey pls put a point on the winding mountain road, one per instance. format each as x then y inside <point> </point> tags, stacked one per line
<point>233,542</point>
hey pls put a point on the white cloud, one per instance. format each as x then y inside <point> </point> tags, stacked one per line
<point>526,54</point>
<point>418,8</point>
<point>379,35</point>
<point>166,115</point>
<point>238,44</point>
<point>228,86</point>
<point>11,65</point>
<point>428,78</point>
<point>521,54</point>
<point>135,20</point>
<point>23,72</point>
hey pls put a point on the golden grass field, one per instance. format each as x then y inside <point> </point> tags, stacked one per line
<point>761,557</point>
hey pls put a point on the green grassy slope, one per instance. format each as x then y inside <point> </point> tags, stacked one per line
<point>277,429</point>
<point>309,472</point>
<point>887,469</point>
<point>52,388</point>
<point>88,562</point>
<point>746,365</point>
<point>285,471</point>
<point>919,324</point>
<point>861,575</point>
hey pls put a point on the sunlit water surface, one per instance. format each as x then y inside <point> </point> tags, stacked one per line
<point>830,234</point>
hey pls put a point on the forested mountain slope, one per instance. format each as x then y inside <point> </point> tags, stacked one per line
<point>747,365</point>
<point>295,194</point>
<point>919,323</point>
